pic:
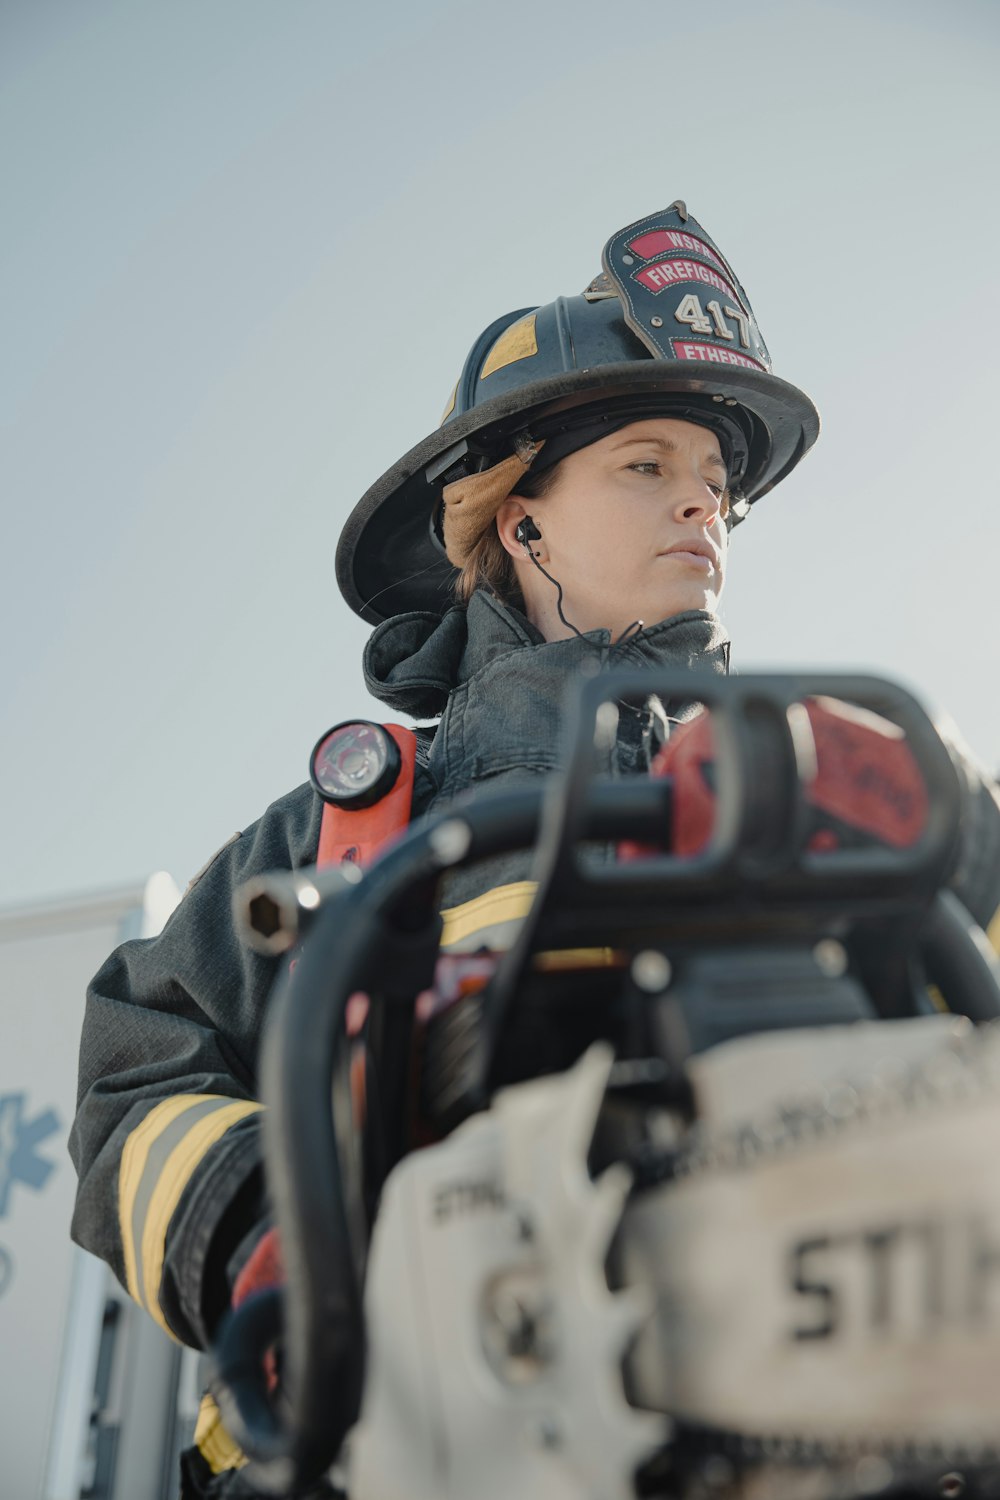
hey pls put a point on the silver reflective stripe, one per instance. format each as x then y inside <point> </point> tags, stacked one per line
<point>159,1153</point>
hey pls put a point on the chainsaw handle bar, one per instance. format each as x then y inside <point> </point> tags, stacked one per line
<point>758,851</point>
<point>763,767</point>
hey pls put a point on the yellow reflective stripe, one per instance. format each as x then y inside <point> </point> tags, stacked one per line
<point>511,903</point>
<point>579,958</point>
<point>133,1163</point>
<point>174,1178</point>
<point>213,1441</point>
<point>507,903</point>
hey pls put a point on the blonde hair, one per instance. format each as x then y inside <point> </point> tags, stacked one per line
<point>488,566</point>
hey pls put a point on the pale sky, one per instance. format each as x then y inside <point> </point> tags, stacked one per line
<point>245,247</point>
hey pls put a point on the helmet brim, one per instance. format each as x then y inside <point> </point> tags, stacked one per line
<point>388,563</point>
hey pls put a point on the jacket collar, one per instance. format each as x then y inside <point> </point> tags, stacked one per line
<point>413,662</point>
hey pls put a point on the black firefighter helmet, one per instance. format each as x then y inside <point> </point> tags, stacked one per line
<point>665,330</point>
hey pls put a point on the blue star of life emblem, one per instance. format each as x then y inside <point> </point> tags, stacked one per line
<point>19,1141</point>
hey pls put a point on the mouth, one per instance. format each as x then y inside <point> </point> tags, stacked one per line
<point>693,553</point>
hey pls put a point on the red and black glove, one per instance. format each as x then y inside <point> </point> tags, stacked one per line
<point>263,1271</point>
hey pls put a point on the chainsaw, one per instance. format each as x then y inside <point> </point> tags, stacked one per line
<point>690,1190</point>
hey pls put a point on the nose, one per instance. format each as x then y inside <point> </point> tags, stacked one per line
<point>695,500</point>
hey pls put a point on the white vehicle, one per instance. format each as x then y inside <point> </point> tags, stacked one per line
<point>93,1398</point>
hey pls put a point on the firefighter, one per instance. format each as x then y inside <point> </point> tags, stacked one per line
<point>572,512</point>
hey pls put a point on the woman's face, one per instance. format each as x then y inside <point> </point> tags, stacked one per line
<point>633,528</point>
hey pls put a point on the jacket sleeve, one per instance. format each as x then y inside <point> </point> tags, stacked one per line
<point>166,1136</point>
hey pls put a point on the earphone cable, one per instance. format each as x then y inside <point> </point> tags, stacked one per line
<point>559,601</point>
<point>629,633</point>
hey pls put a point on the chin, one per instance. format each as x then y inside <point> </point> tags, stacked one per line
<point>679,603</point>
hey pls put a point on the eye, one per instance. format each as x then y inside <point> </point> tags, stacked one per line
<point>646,466</point>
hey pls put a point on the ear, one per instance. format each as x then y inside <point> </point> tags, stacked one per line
<point>510,515</point>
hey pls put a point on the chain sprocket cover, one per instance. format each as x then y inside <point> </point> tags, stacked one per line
<point>494,1344</point>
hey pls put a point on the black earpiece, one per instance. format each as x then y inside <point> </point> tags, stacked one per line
<point>527,532</point>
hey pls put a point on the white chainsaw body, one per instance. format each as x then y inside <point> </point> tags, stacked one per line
<point>816,1288</point>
